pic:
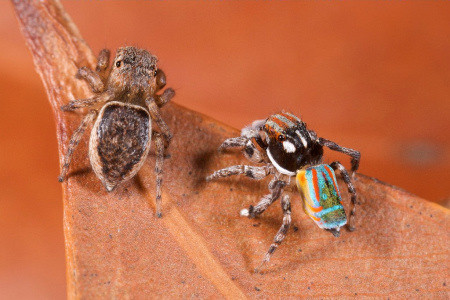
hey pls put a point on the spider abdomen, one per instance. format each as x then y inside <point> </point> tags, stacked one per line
<point>119,142</point>
<point>321,197</point>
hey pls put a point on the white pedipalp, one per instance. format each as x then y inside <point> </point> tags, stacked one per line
<point>252,131</point>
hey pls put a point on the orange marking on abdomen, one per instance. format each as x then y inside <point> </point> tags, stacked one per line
<point>316,185</point>
<point>332,177</point>
<point>314,209</point>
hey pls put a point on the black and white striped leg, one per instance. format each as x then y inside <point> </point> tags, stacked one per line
<point>351,189</point>
<point>236,142</point>
<point>159,144</point>
<point>74,140</point>
<point>276,188</point>
<point>354,154</point>
<point>281,234</point>
<point>249,171</point>
<point>246,145</point>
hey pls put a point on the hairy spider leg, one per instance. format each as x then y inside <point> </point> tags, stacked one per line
<point>236,142</point>
<point>75,139</point>
<point>281,234</point>
<point>276,187</point>
<point>92,78</point>
<point>165,97</point>
<point>159,144</point>
<point>351,189</point>
<point>245,144</point>
<point>354,154</point>
<point>156,116</point>
<point>253,172</point>
<point>80,103</point>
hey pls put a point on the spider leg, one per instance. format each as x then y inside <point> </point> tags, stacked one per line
<point>156,116</point>
<point>236,142</point>
<point>351,189</point>
<point>244,144</point>
<point>276,187</point>
<point>79,103</point>
<point>165,97</point>
<point>253,172</point>
<point>159,144</point>
<point>92,78</point>
<point>103,60</point>
<point>76,137</point>
<point>355,155</point>
<point>281,234</point>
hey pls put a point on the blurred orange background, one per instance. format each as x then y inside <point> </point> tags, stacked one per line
<point>369,75</point>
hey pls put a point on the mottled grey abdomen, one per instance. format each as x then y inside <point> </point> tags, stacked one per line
<point>119,142</point>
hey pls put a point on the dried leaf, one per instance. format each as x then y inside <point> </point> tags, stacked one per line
<point>116,247</point>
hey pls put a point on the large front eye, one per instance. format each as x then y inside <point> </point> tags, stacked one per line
<point>281,138</point>
<point>118,63</point>
<point>154,73</point>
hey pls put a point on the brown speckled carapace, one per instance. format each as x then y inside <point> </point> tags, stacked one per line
<point>121,113</point>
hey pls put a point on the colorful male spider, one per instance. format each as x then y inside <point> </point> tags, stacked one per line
<point>287,148</point>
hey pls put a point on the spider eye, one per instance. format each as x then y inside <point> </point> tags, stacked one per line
<point>154,73</point>
<point>118,63</point>
<point>281,137</point>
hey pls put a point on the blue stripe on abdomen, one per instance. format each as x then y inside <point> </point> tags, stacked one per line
<point>328,210</point>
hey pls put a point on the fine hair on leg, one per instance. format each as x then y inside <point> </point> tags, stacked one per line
<point>354,154</point>
<point>92,78</point>
<point>246,145</point>
<point>276,187</point>
<point>281,234</point>
<point>351,189</point>
<point>253,172</point>
<point>156,116</point>
<point>74,140</point>
<point>165,97</point>
<point>236,142</point>
<point>159,145</point>
<point>80,103</point>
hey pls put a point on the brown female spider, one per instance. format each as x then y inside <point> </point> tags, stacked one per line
<point>122,114</point>
<point>287,148</point>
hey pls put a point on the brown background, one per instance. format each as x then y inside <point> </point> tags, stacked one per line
<point>372,76</point>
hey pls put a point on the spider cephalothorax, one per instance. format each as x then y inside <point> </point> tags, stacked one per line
<point>287,148</point>
<point>135,70</point>
<point>121,116</point>
<point>289,145</point>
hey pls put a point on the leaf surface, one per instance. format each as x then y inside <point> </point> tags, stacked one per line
<point>116,247</point>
